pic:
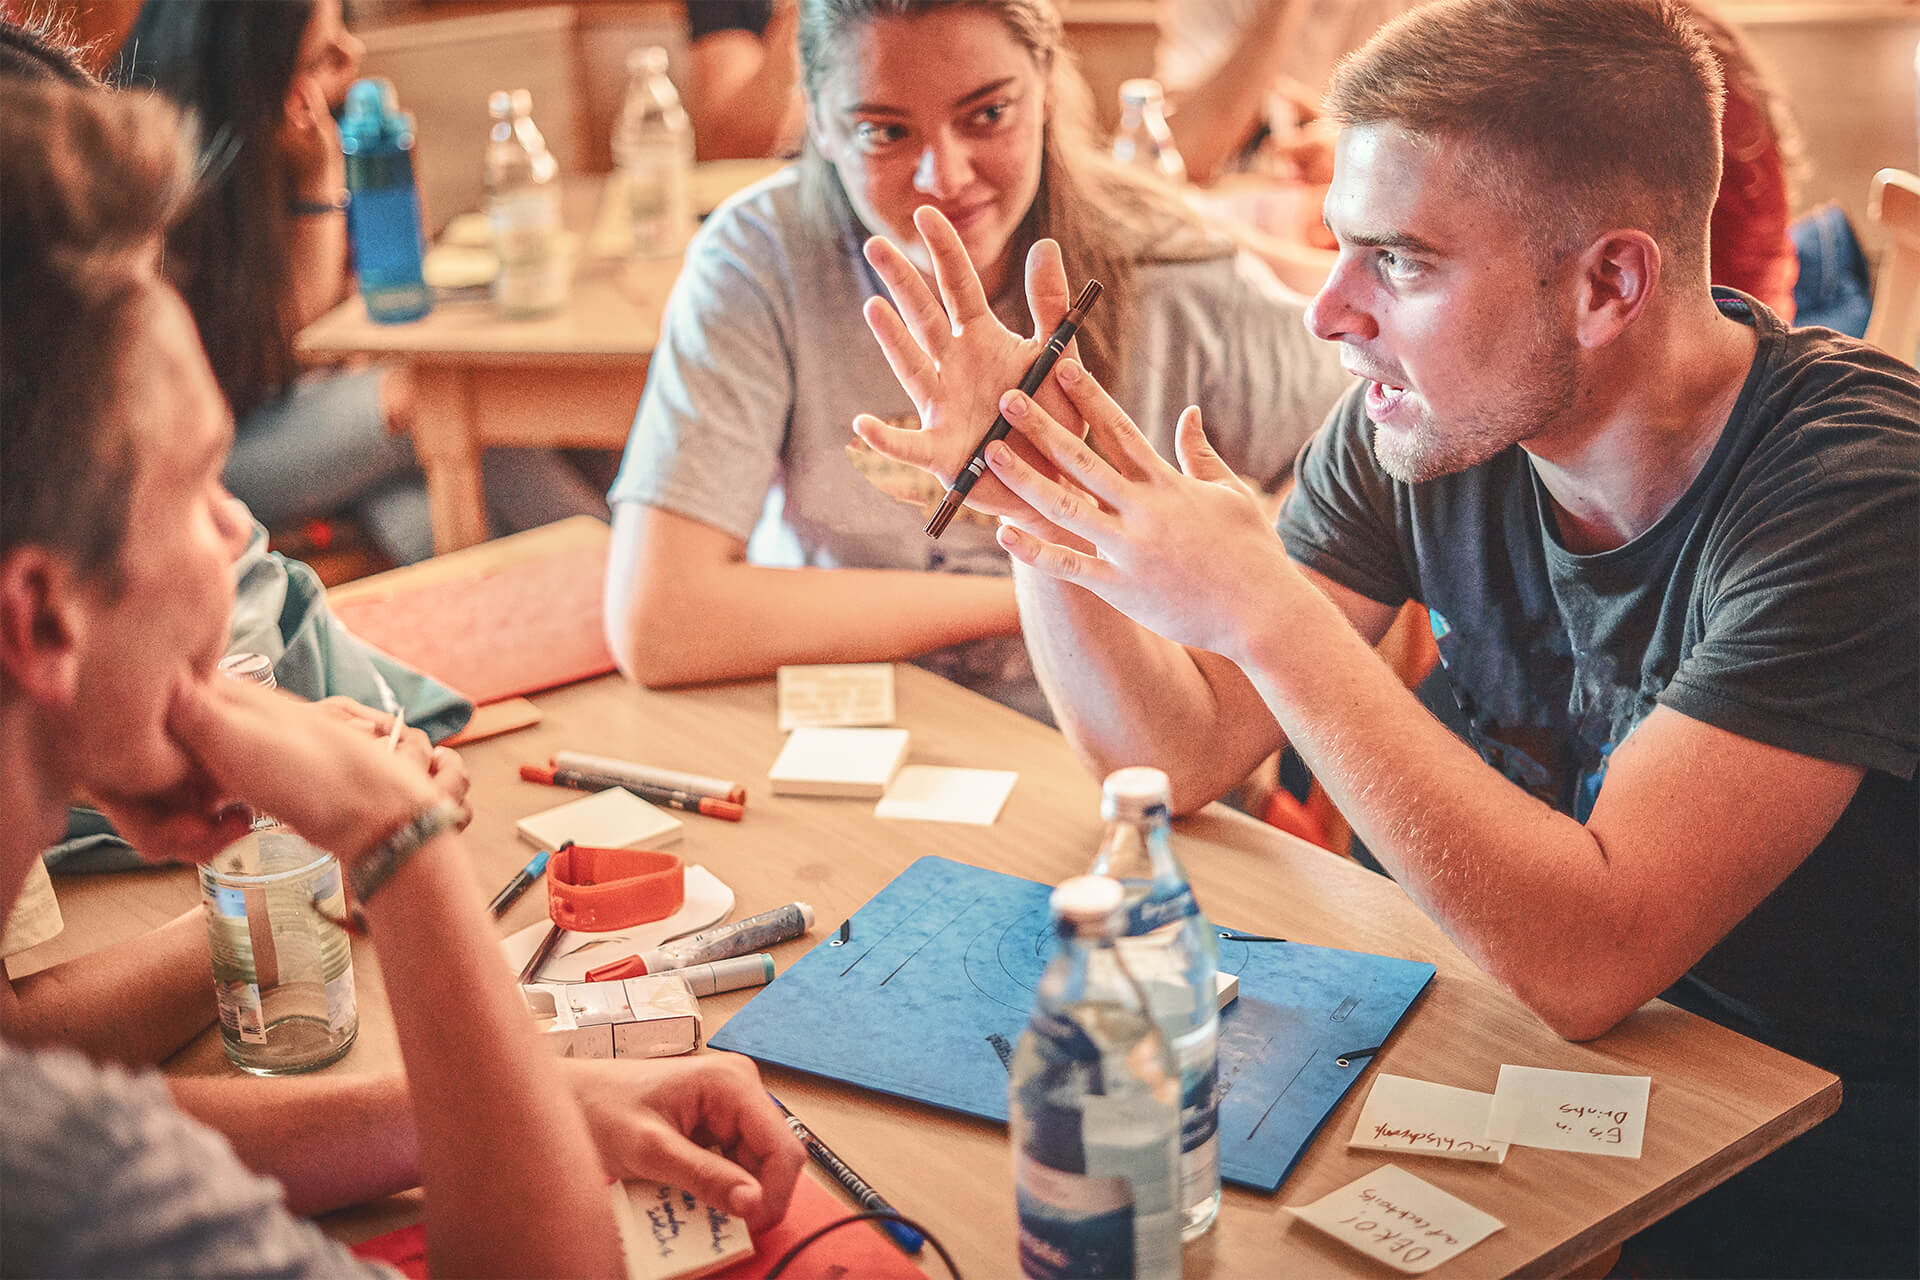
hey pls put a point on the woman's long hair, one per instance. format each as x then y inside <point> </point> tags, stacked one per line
<point>230,63</point>
<point>1107,219</point>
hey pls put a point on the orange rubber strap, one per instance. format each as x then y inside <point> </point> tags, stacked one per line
<point>594,890</point>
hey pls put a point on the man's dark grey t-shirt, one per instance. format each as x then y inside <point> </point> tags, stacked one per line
<point>1779,599</point>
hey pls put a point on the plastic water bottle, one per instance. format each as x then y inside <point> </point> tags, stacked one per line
<point>523,210</point>
<point>383,208</point>
<point>1094,1106</point>
<point>1143,139</point>
<point>1170,950</point>
<point>653,150</point>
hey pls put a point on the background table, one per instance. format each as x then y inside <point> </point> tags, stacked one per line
<point>567,380</point>
<point>1719,1101</point>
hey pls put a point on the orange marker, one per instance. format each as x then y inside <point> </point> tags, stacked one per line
<point>671,797</point>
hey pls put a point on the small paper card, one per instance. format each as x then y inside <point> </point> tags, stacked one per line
<point>1570,1111</point>
<point>838,762</point>
<point>1410,1225</point>
<point>1428,1119</point>
<point>611,819</point>
<point>669,1234</point>
<point>845,694</point>
<point>929,793</point>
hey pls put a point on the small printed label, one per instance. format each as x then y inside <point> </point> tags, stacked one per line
<point>342,1011</point>
<point>230,902</point>
<point>240,1012</point>
<point>1150,914</point>
<point>1072,1225</point>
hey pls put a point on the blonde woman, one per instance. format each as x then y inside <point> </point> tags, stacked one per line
<point>971,107</point>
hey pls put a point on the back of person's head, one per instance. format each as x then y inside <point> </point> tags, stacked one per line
<point>230,64</point>
<point>89,182</point>
<point>1107,219</point>
<point>39,52</point>
<point>1576,115</point>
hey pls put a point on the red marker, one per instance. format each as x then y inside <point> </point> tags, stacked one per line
<point>668,796</point>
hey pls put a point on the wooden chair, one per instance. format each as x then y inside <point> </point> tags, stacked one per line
<point>1893,201</point>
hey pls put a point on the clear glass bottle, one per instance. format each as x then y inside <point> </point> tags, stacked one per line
<point>1094,1109</point>
<point>653,153</point>
<point>383,206</point>
<point>282,969</point>
<point>523,210</point>
<point>1171,951</point>
<point>1143,139</point>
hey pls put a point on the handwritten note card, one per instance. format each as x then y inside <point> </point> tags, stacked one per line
<point>669,1234</point>
<point>1410,1225</point>
<point>1570,1111</point>
<point>853,693</point>
<point>1427,1119</point>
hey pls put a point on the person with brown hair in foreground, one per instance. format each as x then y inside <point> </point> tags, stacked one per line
<point>114,592</point>
<point>1665,542</point>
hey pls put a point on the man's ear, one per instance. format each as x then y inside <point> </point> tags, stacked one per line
<point>1618,272</point>
<point>43,621</point>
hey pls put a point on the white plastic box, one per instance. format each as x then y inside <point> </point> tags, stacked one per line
<point>651,1017</point>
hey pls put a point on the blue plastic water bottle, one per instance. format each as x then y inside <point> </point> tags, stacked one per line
<point>383,215</point>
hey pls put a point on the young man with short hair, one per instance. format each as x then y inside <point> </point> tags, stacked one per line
<point>1667,545</point>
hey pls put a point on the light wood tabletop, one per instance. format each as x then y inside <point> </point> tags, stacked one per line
<point>1718,1102</point>
<point>571,379</point>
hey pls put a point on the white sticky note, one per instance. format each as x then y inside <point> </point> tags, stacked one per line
<point>927,793</point>
<point>1389,1214</point>
<point>1418,1116</point>
<point>611,819</point>
<point>670,1234</point>
<point>1570,1111</point>
<point>844,694</point>
<point>838,762</point>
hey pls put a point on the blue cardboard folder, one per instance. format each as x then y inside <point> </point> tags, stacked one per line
<point>923,993</point>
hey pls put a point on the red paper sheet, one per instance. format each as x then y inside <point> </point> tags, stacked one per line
<point>509,631</point>
<point>858,1251</point>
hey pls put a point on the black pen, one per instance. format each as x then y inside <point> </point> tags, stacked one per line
<point>1036,374</point>
<point>856,1186</point>
<point>522,878</point>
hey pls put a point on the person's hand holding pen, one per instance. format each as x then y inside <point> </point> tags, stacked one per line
<point>704,1123</point>
<point>442,764</point>
<point>954,358</point>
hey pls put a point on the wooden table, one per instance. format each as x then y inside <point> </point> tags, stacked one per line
<point>1719,1101</point>
<point>567,380</point>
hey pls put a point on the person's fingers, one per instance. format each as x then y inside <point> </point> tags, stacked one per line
<point>1196,453</point>
<point>1064,449</point>
<point>671,1157</point>
<point>910,363</point>
<point>953,271</point>
<point>902,444</point>
<point>1055,560</point>
<point>1048,296</point>
<point>919,310</point>
<point>1120,441</point>
<point>1068,506</point>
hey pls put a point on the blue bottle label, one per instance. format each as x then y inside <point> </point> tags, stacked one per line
<point>1073,1227</point>
<point>1155,912</point>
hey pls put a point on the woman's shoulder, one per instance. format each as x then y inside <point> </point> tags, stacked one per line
<point>769,232</point>
<point>1230,284</point>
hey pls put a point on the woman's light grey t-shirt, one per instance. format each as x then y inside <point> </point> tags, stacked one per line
<point>764,360</point>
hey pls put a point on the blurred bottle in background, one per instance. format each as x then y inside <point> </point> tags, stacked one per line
<point>383,209</point>
<point>653,153</point>
<point>523,210</point>
<point>1094,1105</point>
<point>1143,139</point>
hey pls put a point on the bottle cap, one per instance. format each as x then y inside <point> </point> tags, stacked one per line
<point>1133,792</point>
<point>1141,89</point>
<point>499,104</point>
<point>255,668</point>
<point>1088,904</point>
<point>647,60</point>
<point>372,112</point>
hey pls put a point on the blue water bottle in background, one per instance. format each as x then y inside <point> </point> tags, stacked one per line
<point>383,214</point>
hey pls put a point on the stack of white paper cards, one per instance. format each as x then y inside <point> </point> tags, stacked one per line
<point>838,762</point>
<point>611,819</point>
